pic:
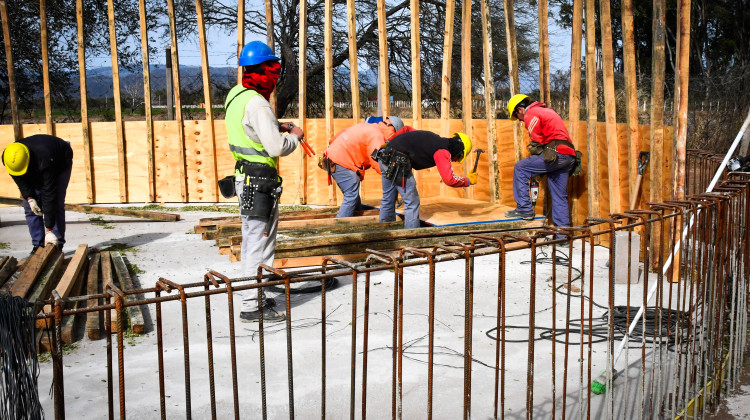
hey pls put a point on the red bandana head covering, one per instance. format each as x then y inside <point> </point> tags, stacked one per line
<point>262,78</point>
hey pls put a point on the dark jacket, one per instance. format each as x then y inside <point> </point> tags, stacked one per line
<point>49,156</point>
<point>420,146</point>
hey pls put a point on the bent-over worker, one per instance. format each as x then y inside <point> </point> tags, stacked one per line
<point>40,165</point>
<point>256,142</point>
<point>418,150</point>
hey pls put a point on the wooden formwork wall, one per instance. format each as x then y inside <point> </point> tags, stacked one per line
<point>302,183</point>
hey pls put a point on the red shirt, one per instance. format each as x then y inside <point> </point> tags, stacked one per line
<point>544,125</point>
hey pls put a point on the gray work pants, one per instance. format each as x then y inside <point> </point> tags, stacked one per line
<point>257,249</point>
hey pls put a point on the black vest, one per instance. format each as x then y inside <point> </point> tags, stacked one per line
<point>420,146</point>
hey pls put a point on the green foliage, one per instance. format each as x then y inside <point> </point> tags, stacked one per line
<point>120,247</point>
<point>99,221</point>
<point>4,245</point>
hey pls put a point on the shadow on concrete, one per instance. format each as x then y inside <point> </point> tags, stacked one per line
<point>130,241</point>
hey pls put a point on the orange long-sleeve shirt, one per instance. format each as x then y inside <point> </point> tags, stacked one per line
<point>352,147</point>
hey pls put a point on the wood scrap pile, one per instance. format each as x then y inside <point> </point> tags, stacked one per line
<point>304,238</point>
<point>85,273</point>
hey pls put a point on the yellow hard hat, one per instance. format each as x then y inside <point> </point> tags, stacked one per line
<point>513,102</point>
<point>16,158</point>
<point>467,144</point>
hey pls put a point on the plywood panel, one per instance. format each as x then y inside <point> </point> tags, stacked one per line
<point>167,158</point>
<point>199,160</point>
<point>136,146</point>
<point>7,186</point>
<point>105,163</point>
<point>77,188</point>
<point>224,160</point>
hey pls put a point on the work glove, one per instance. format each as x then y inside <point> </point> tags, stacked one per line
<point>50,238</point>
<point>473,176</point>
<point>35,207</point>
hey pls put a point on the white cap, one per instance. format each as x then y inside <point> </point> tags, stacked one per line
<point>396,122</point>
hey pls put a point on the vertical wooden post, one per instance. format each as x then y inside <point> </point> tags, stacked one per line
<point>515,84</point>
<point>656,169</point>
<point>631,94</point>
<point>302,95</point>
<point>240,34</point>
<point>45,67</point>
<point>328,40</point>
<point>681,100</point>
<point>119,129</point>
<point>177,103</point>
<point>489,100</point>
<point>169,89</point>
<point>353,68</point>
<point>90,190</point>
<point>11,73</point>
<point>416,67</point>
<point>591,106</point>
<point>445,96</point>
<point>574,98</point>
<point>466,96</point>
<point>147,101</point>
<point>211,188</point>
<point>271,43</point>
<point>544,83</point>
<point>385,95</point>
<point>610,112</point>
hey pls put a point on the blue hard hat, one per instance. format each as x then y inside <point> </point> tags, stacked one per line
<point>256,52</point>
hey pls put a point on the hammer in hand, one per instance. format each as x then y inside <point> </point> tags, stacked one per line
<point>476,160</point>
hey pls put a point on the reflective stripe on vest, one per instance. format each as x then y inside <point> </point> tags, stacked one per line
<point>241,146</point>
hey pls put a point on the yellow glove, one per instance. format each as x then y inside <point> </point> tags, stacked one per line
<point>473,176</point>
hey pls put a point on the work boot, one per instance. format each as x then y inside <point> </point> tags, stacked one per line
<point>269,315</point>
<point>515,214</point>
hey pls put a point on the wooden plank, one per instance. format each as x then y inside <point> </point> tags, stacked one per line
<point>269,41</point>
<point>515,84</point>
<point>682,80</point>
<point>69,322</point>
<point>11,73</point>
<point>314,261</point>
<point>211,187</point>
<point>177,102</point>
<point>613,151</point>
<point>655,171</point>
<point>13,279</point>
<point>383,73</point>
<point>466,91</point>
<point>574,97</point>
<point>32,269</point>
<point>76,265</point>
<point>147,99</point>
<point>47,279</point>
<point>591,108</point>
<point>301,157</point>
<point>87,161</point>
<point>631,94</point>
<point>135,316</point>
<point>416,65</point>
<point>45,67</point>
<point>544,82</point>
<point>445,87</point>
<point>489,101</point>
<point>142,214</point>
<point>328,62</point>
<point>7,268</point>
<point>351,19</point>
<point>107,278</point>
<point>291,234</point>
<point>93,319</point>
<point>240,34</point>
<point>119,130</point>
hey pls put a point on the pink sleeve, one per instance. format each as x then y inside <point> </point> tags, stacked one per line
<point>443,162</point>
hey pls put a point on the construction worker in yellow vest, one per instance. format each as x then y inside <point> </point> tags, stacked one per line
<point>256,140</point>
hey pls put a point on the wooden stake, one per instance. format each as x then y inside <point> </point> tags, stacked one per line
<point>466,82</point>
<point>489,101</point>
<point>119,128</point>
<point>92,288</point>
<point>271,43</point>
<point>613,147</point>
<point>328,40</point>
<point>515,84</point>
<point>45,67</point>
<point>385,96</point>
<point>147,101</point>
<point>416,67</point>
<point>353,68</point>
<point>11,74</point>
<point>212,187</point>
<point>544,83</point>
<point>656,169</point>
<point>445,95</point>
<point>681,101</point>
<point>90,190</point>
<point>302,96</point>
<point>181,172</point>
<point>241,34</point>
<point>574,100</point>
<point>631,95</point>
<point>591,107</point>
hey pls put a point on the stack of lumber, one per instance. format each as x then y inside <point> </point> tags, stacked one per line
<point>84,273</point>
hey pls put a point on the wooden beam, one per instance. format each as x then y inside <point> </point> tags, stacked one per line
<point>107,278</point>
<point>489,100</point>
<point>313,261</point>
<point>46,280</point>
<point>592,181</point>
<point>574,98</point>
<point>115,211</point>
<point>32,269</point>
<point>328,41</point>
<point>544,83</point>
<point>212,188</point>
<point>45,67</point>
<point>385,95</point>
<point>93,319</point>
<point>181,171</point>
<point>147,101</point>
<point>76,265</point>
<point>271,43</point>
<point>445,90</point>
<point>241,34</point>
<point>353,67</point>
<point>656,167</point>
<point>302,99</point>
<point>135,316</point>
<point>416,66</point>
<point>89,167</point>
<point>682,80</point>
<point>631,95</point>
<point>69,322</point>
<point>466,98</point>
<point>11,74</point>
<point>122,169</point>
<point>515,84</point>
<point>7,268</point>
<point>610,111</point>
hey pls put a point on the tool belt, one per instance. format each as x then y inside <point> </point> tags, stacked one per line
<point>326,164</point>
<point>261,189</point>
<point>398,164</point>
<point>549,153</point>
